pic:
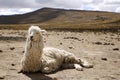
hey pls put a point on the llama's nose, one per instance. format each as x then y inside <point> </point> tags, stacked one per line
<point>31,37</point>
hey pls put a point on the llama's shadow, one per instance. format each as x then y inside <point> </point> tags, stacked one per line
<point>38,76</point>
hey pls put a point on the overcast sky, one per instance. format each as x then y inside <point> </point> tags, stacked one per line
<point>8,7</point>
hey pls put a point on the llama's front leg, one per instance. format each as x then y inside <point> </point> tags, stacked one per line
<point>78,67</point>
<point>50,67</point>
<point>72,59</point>
<point>85,64</point>
<point>46,70</point>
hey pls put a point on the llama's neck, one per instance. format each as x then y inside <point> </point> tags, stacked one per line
<point>33,54</point>
<point>34,49</point>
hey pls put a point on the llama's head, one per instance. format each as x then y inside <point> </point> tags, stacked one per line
<point>35,33</point>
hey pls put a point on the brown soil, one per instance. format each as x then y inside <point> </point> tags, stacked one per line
<point>100,48</point>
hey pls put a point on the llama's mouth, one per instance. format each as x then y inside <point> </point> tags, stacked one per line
<point>31,38</point>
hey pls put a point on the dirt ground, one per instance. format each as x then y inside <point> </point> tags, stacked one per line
<point>100,48</point>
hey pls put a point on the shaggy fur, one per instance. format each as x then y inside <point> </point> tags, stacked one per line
<point>46,59</point>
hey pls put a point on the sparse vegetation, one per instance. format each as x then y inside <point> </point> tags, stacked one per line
<point>61,26</point>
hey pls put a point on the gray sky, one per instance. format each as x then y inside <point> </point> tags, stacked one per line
<point>8,7</point>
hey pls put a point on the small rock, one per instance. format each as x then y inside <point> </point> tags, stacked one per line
<point>2,77</point>
<point>70,47</point>
<point>12,48</point>
<point>23,51</point>
<point>115,61</point>
<point>60,43</point>
<point>107,44</point>
<point>105,59</point>
<point>116,49</point>
<point>1,50</point>
<point>112,44</point>
<point>98,43</point>
<point>12,69</point>
<point>13,64</point>
<point>57,34</point>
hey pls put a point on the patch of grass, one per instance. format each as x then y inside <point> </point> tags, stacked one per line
<point>61,26</point>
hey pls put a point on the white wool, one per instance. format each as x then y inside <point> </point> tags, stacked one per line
<point>44,59</point>
<point>33,52</point>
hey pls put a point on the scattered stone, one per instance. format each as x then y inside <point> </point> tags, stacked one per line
<point>105,59</point>
<point>3,74</point>
<point>58,34</point>
<point>2,77</point>
<point>106,44</point>
<point>115,61</point>
<point>116,49</point>
<point>74,38</point>
<point>12,69</point>
<point>12,48</point>
<point>112,44</point>
<point>70,47</point>
<point>1,50</point>
<point>60,43</point>
<point>98,43</point>
<point>13,64</point>
<point>20,71</point>
<point>23,51</point>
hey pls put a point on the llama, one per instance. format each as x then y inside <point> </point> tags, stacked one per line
<point>46,59</point>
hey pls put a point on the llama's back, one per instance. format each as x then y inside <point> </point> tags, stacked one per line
<point>52,57</point>
<point>50,53</point>
<point>59,55</point>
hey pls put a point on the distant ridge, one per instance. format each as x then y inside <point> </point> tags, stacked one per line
<point>51,14</point>
<point>37,16</point>
<point>62,17</point>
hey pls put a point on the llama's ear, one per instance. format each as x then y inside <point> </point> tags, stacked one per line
<point>43,31</point>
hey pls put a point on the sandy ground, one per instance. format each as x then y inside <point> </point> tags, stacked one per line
<point>100,48</point>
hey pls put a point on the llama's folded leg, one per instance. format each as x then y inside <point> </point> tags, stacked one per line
<point>78,67</point>
<point>85,64</point>
<point>46,70</point>
<point>73,59</point>
<point>50,67</point>
<point>67,66</point>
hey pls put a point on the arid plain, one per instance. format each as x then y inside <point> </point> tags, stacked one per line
<point>102,48</point>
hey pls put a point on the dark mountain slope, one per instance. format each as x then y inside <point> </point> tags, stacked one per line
<point>61,18</point>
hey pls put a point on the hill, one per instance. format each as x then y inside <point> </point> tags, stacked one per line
<point>61,18</point>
